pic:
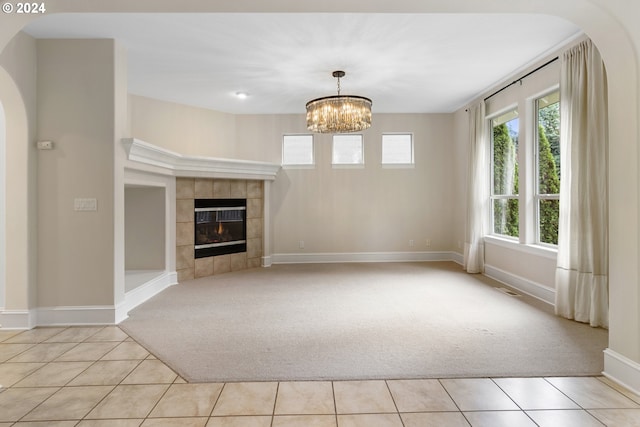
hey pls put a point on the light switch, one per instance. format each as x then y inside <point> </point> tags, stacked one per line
<point>85,204</point>
<point>44,145</point>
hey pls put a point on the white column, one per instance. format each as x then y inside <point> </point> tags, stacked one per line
<point>266,225</point>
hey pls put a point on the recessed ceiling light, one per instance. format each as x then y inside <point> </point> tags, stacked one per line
<point>242,95</point>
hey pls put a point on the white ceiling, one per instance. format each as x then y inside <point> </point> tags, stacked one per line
<point>406,63</point>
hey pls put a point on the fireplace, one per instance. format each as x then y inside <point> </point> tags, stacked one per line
<point>220,227</point>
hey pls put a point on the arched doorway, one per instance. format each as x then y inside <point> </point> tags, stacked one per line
<point>3,204</point>
<point>610,25</point>
<point>18,216</point>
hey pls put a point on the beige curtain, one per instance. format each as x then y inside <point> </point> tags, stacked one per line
<point>582,290</point>
<point>477,191</point>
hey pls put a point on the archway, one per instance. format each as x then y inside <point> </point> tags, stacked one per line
<point>608,24</point>
<point>3,214</point>
<point>18,221</point>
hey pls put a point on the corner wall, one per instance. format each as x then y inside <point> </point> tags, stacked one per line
<point>517,262</point>
<point>372,209</point>
<point>76,110</point>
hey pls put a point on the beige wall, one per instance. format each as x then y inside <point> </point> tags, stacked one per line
<point>522,264</point>
<point>183,129</point>
<point>144,224</point>
<point>76,80</point>
<point>460,164</point>
<point>18,98</point>
<point>369,209</point>
<point>372,209</point>
<point>259,137</point>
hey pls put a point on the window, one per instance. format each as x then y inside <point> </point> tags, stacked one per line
<point>504,176</point>
<point>548,167</point>
<point>397,149</point>
<point>347,150</point>
<point>297,150</point>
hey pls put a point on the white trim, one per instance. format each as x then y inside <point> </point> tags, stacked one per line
<point>315,258</point>
<point>529,287</point>
<point>538,250</point>
<point>622,370</point>
<point>457,257</point>
<point>267,226</point>
<point>142,293</point>
<point>17,319</point>
<point>194,166</point>
<point>3,204</point>
<point>121,313</point>
<point>75,315</point>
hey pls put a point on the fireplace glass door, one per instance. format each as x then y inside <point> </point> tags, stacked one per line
<point>220,226</point>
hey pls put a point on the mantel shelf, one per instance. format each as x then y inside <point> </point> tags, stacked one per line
<point>194,166</point>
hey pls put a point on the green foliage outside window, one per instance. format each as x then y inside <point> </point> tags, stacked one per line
<point>505,171</point>
<point>505,182</point>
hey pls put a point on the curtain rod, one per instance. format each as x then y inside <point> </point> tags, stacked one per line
<point>520,79</point>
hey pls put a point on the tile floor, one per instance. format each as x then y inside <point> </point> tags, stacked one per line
<point>98,376</point>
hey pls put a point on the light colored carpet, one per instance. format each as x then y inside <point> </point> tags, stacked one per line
<point>359,321</point>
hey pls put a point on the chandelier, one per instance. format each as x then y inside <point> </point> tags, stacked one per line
<point>339,113</point>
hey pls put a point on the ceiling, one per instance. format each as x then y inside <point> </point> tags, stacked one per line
<point>406,63</point>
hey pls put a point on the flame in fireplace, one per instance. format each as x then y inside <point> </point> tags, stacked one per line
<point>220,229</point>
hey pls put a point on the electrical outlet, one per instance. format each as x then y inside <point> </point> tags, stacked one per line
<point>411,243</point>
<point>428,243</point>
<point>81,204</point>
<point>301,244</point>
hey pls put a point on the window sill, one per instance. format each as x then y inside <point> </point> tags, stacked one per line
<point>398,166</point>
<point>532,249</point>
<point>299,166</point>
<point>347,166</point>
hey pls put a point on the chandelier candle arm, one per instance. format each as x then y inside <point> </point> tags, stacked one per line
<point>339,113</point>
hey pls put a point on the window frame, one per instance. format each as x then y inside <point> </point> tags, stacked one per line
<point>397,165</point>
<point>340,165</point>
<point>299,165</point>
<point>492,196</point>
<point>537,196</point>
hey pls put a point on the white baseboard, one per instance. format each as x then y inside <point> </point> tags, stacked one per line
<point>86,315</point>
<point>315,258</point>
<point>267,261</point>
<point>622,370</point>
<point>17,319</point>
<point>526,286</point>
<point>457,257</point>
<point>142,293</point>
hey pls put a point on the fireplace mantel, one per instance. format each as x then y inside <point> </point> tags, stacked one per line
<point>194,166</point>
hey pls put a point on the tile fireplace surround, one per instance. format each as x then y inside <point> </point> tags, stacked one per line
<point>189,189</point>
